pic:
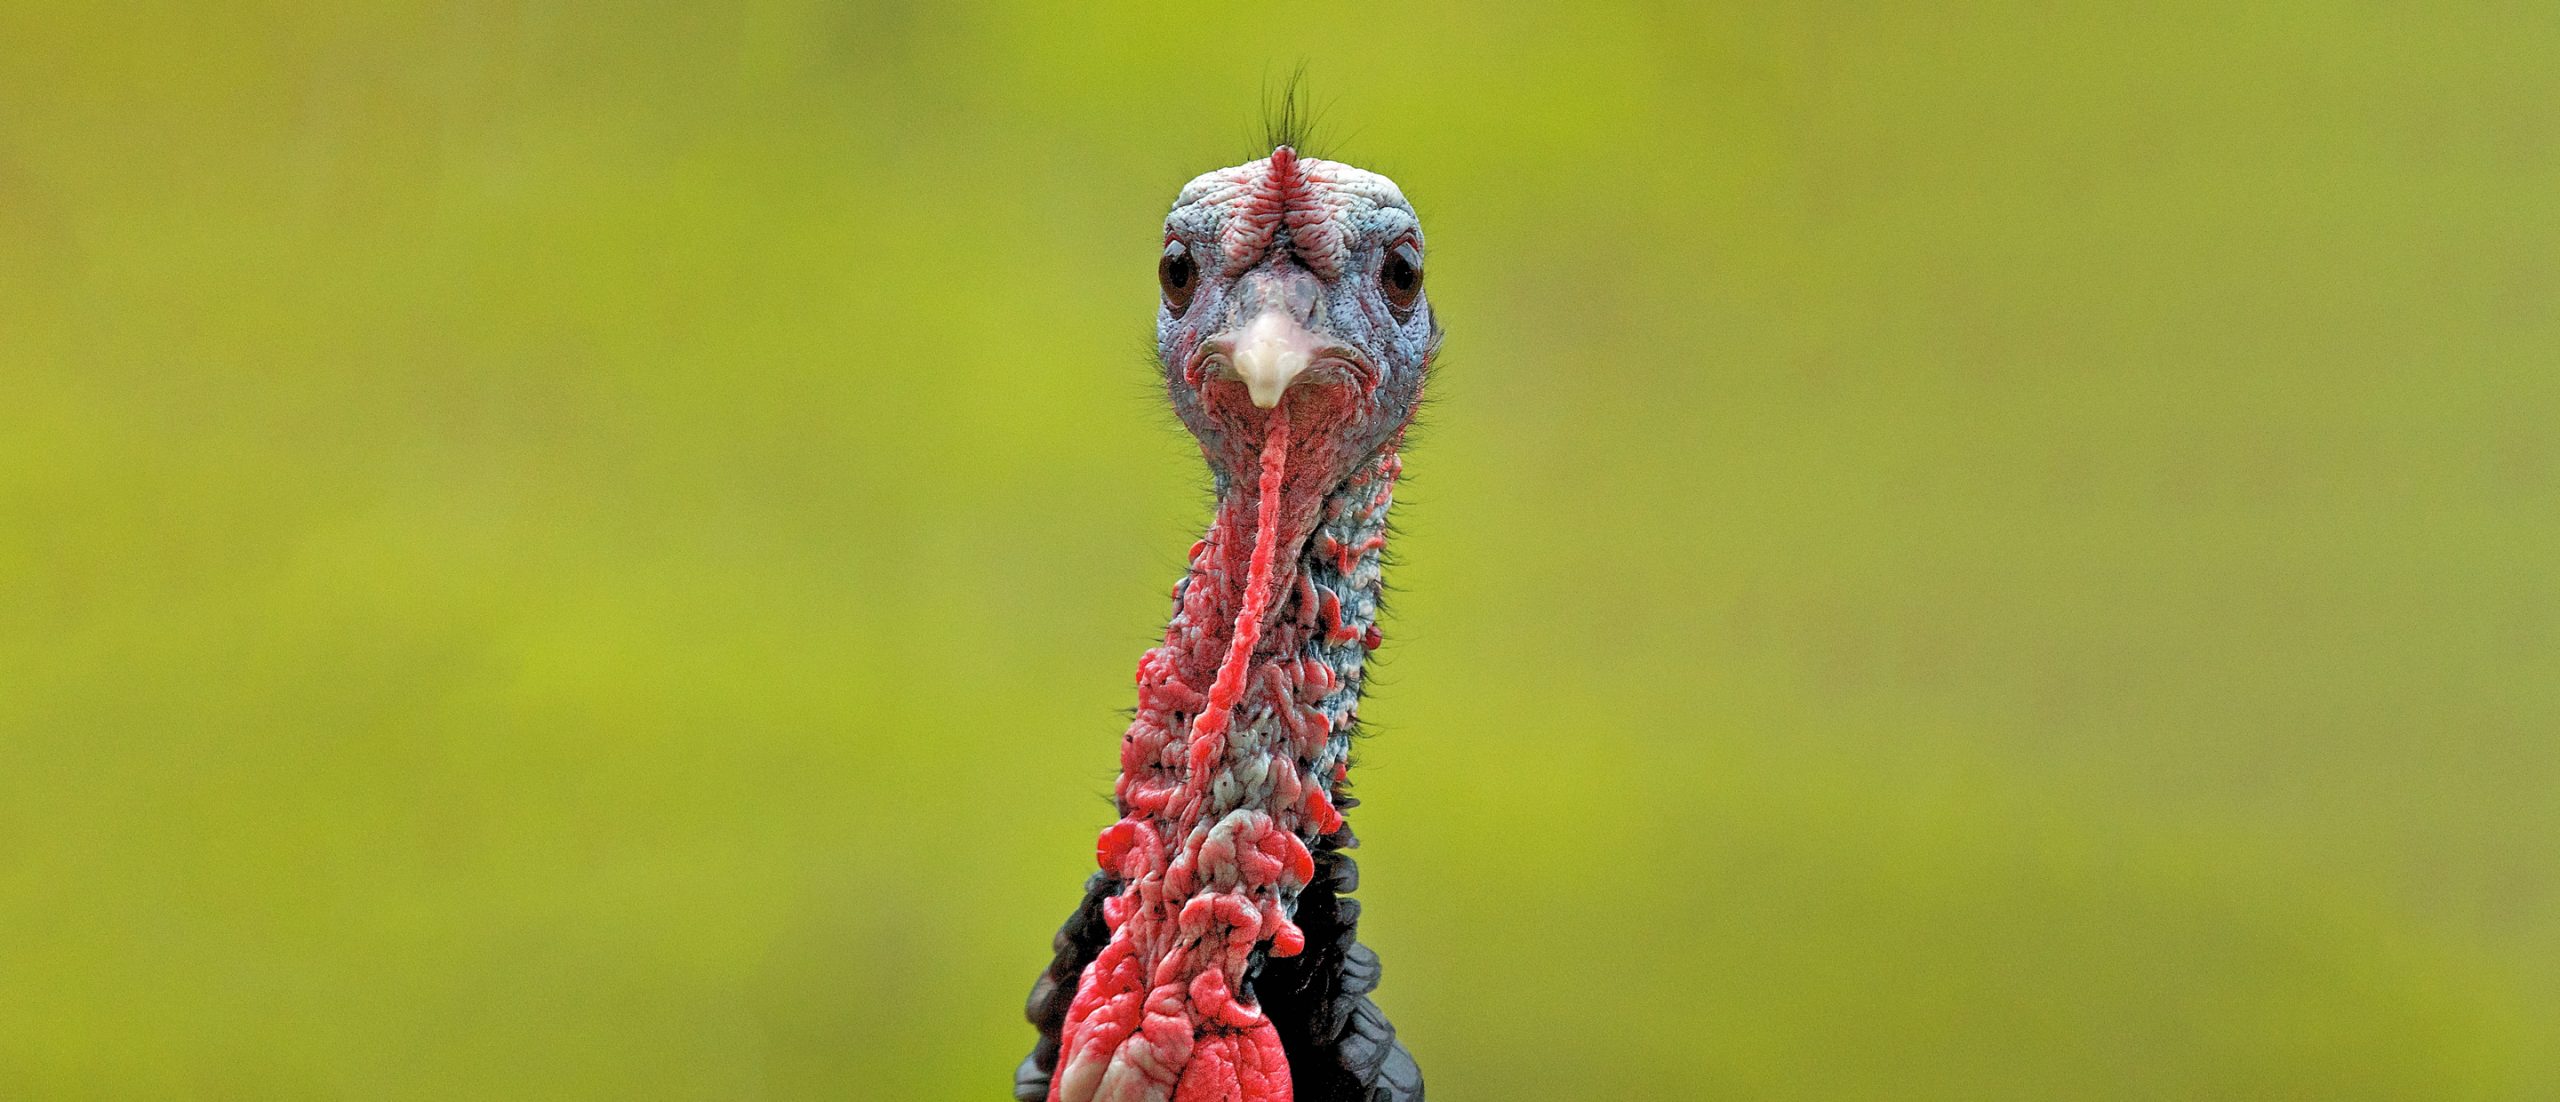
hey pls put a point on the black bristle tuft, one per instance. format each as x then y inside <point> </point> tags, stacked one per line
<point>1287,119</point>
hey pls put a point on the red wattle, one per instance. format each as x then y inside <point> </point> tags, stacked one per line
<point>1229,687</point>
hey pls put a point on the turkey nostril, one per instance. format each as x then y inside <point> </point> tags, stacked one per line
<point>1300,298</point>
<point>1284,290</point>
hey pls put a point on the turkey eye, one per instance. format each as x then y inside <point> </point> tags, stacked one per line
<point>1177,275</point>
<point>1401,276</point>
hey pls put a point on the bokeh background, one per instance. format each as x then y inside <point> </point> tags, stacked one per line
<point>1962,552</point>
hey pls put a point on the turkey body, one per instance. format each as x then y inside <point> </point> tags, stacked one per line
<point>1341,1047</point>
<point>1215,957</point>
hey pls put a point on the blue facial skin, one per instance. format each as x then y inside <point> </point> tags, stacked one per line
<point>1362,388</point>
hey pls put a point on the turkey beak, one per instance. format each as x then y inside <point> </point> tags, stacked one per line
<point>1270,353</point>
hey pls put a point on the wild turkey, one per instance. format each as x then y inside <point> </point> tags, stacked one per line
<point>1213,957</point>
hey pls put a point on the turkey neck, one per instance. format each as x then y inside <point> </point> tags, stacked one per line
<point>1228,775</point>
<point>1299,679</point>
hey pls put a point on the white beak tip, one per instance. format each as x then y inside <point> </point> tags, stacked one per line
<point>1270,357</point>
<point>1266,391</point>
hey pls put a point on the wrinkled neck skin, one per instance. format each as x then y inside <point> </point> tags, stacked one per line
<point>1229,771</point>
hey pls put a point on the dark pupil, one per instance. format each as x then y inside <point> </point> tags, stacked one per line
<point>1400,272</point>
<point>1177,273</point>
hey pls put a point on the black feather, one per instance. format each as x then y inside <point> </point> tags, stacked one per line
<point>1079,941</point>
<point>1340,1046</point>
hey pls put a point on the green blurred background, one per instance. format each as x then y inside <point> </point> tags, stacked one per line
<point>1962,551</point>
